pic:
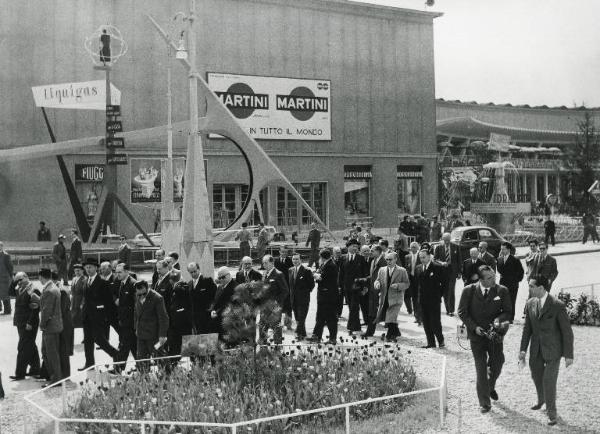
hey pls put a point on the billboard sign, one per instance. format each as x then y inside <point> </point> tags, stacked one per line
<point>89,172</point>
<point>145,180</point>
<point>276,108</point>
<point>86,95</point>
<point>115,159</point>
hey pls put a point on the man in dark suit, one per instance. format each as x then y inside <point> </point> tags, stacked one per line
<point>481,305</point>
<point>174,261</point>
<point>124,254</point>
<point>430,278</point>
<point>163,285</point>
<point>447,254</point>
<point>470,267</point>
<point>225,288</point>
<point>247,274</point>
<point>27,320</point>
<point>548,329</point>
<point>126,313</point>
<point>66,337</point>
<point>202,293</point>
<point>545,265</point>
<point>337,260</point>
<point>352,268</point>
<point>314,240</point>
<point>486,257</point>
<point>59,256</point>
<point>277,301</point>
<point>283,263</point>
<point>75,253</point>
<point>180,316</point>
<point>159,255</point>
<point>151,321</point>
<point>377,261</point>
<point>51,326</point>
<point>301,283</point>
<point>411,296</point>
<point>97,299</point>
<point>511,273</point>
<point>327,298</point>
<point>105,272</point>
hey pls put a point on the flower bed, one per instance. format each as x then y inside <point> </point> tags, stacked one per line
<point>584,310</point>
<point>244,385</point>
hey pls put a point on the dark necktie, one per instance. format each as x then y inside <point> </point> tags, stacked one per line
<point>389,277</point>
<point>485,292</point>
<point>448,254</point>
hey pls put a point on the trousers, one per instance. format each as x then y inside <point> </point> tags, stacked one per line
<point>489,358</point>
<point>300,313</point>
<point>449,296</point>
<point>544,374</point>
<point>326,316</point>
<point>432,323</point>
<point>95,333</point>
<point>27,352</point>
<point>51,355</point>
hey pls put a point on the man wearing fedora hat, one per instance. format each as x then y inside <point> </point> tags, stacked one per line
<point>352,268</point>
<point>97,305</point>
<point>59,255</point>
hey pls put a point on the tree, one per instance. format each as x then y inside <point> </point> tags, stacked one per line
<point>584,163</point>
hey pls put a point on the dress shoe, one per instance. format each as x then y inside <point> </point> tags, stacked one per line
<point>537,406</point>
<point>428,346</point>
<point>41,378</point>
<point>552,422</point>
<point>84,368</point>
<point>494,395</point>
<point>485,409</point>
<point>32,374</point>
<point>442,345</point>
<point>15,378</point>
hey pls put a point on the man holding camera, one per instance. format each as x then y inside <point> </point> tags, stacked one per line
<point>485,308</point>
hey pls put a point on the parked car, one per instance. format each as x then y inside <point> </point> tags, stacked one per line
<point>467,237</point>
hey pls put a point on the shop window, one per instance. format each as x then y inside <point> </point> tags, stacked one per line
<point>357,192</point>
<point>409,189</point>
<point>290,213</point>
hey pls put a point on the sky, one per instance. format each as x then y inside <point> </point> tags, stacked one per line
<point>536,52</point>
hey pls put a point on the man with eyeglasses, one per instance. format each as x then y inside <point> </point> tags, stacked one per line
<point>225,288</point>
<point>202,293</point>
<point>27,320</point>
<point>247,274</point>
<point>545,265</point>
<point>151,321</point>
<point>392,281</point>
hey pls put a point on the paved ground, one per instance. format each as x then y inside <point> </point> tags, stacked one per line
<point>578,386</point>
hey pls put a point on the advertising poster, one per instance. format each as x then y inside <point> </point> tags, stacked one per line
<point>86,95</point>
<point>276,108</point>
<point>145,181</point>
<point>178,177</point>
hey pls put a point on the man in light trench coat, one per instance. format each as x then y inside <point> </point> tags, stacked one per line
<point>392,281</point>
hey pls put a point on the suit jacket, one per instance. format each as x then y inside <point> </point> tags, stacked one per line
<point>545,267</point>
<point>476,311</point>
<point>77,288</point>
<point>126,308</point>
<point>125,254</point>
<point>408,264</point>
<point>511,271</point>
<point>59,253</point>
<point>27,307</point>
<point>488,259</point>
<point>284,265</point>
<point>97,301</point>
<point>164,288</point>
<point>394,289</point>
<point>202,296</point>
<point>253,276</point>
<point>51,316</point>
<point>469,271</point>
<point>327,286</point>
<point>76,252</point>
<point>301,285</point>
<point>180,310</point>
<point>430,284</point>
<point>151,319</point>
<point>223,297</point>
<point>351,270</point>
<point>439,254</point>
<point>279,289</point>
<point>66,335</point>
<point>549,331</point>
<point>314,239</point>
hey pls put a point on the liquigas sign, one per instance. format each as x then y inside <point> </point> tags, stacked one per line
<point>277,108</point>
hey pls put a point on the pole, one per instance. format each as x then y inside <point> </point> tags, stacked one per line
<point>196,223</point>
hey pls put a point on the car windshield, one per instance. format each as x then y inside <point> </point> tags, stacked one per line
<point>455,235</point>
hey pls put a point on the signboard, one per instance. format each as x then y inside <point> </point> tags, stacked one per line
<point>499,142</point>
<point>113,110</point>
<point>89,172</point>
<point>276,108</point>
<point>115,159</point>
<point>114,127</point>
<point>178,177</point>
<point>115,142</point>
<point>145,180</point>
<point>500,208</point>
<point>86,95</point>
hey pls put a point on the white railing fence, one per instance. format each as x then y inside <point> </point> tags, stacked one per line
<point>53,403</point>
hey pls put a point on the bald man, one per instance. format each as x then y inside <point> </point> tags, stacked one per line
<point>27,320</point>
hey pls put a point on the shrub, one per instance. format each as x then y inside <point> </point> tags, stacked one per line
<point>584,310</point>
<point>245,384</point>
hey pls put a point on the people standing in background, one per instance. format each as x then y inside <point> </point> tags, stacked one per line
<point>245,238</point>
<point>174,261</point>
<point>59,256</point>
<point>545,265</point>
<point>6,273</point>
<point>27,321</point>
<point>435,232</point>
<point>511,273</point>
<point>327,298</point>
<point>411,296</point>
<point>262,241</point>
<point>549,231</point>
<point>163,285</point>
<point>43,233</point>
<point>51,325</point>
<point>75,252</point>
<point>124,252</point>
<point>314,240</point>
<point>531,255</point>
<point>589,227</point>
<point>447,254</point>
<point>487,258</point>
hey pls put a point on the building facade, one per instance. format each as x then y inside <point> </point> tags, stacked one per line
<point>379,162</point>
